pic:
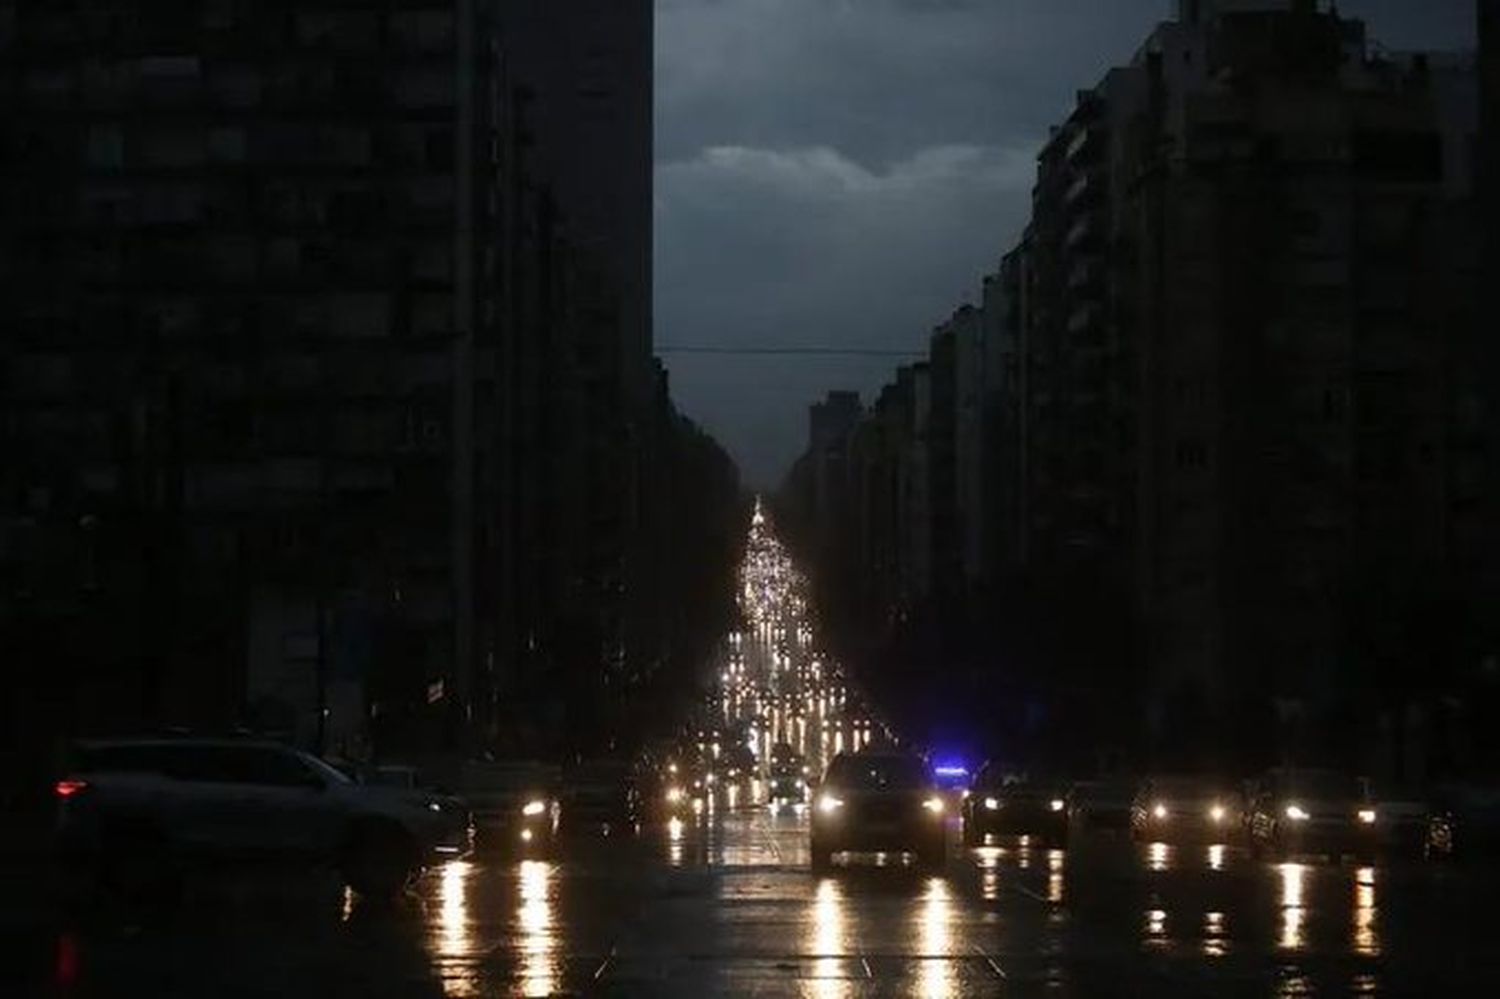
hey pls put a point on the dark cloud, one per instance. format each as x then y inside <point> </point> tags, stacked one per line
<point>842,171</point>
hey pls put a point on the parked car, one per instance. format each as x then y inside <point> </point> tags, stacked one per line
<point>133,804</point>
<point>878,801</point>
<point>1178,809</point>
<point>1312,811</point>
<point>1001,804</point>
<point>514,804</point>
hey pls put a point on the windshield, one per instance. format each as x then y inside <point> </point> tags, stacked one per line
<point>506,777</point>
<point>878,773</point>
<point>332,774</point>
<point>1324,784</point>
<point>1185,787</point>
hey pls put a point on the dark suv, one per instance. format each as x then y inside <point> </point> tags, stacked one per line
<point>877,801</point>
<point>141,803</point>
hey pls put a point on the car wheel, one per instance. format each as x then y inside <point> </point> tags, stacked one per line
<point>972,835</point>
<point>379,861</point>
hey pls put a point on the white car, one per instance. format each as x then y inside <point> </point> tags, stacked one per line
<point>133,803</point>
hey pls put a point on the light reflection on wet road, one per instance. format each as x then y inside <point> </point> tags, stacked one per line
<point>732,909</point>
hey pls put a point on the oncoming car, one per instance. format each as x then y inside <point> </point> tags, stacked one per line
<point>514,804</point>
<point>869,802</point>
<point>1312,811</point>
<point>786,792</point>
<point>1173,809</point>
<point>997,806</point>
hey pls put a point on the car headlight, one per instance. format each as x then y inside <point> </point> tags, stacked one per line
<point>828,804</point>
<point>1159,810</point>
<point>434,806</point>
<point>934,805</point>
<point>992,803</point>
<point>534,807</point>
<point>1297,813</point>
<point>1367,816</point>
<point>1056,804</point>
<point>674,795</point>
<point>1217,813</point>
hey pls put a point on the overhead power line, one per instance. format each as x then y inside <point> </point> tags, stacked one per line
<point>790,351</point>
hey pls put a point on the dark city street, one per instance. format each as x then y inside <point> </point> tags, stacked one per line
<point>749,498</point>
<point>721,901</point>
<point>732,910</point>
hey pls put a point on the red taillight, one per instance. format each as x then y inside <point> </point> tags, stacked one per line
<point>68,788</point>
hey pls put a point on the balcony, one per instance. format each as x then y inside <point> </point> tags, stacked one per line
<point>1081,234</point>
<point>1085,144</point>
<point>1086,278</point>
<point>1084,190</point>
<point>1086,317</point>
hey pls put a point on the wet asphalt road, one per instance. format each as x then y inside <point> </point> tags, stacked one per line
<point>730,908</point>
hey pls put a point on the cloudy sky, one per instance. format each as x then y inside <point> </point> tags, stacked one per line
<point>842,172</point>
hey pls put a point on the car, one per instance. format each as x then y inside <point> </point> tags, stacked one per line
<point>130,805</point>
<point>1312,811</point>
<point>1186,809</point>
<point>1001,804</point>
<point>786,761</point>
<point>600,796</point>
<point>1101,804</point>
<point>878,801</point>
<point>514,804</point>
<point>737,769</point>
<point>786,792</point>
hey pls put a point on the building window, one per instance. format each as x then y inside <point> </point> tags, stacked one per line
<point>422,31</point>
<point>226,145</point>
<point>425,87</point>
<point>106,147</point>
<point>1192,454</point>
<point>170,147</point>
<point>235,86</point>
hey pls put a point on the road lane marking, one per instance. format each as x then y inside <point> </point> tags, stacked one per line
<point>994,965</point>
<point>604,965</point>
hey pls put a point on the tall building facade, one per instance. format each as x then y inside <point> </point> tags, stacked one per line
<point>1235,383</point>
<point>326,358</point>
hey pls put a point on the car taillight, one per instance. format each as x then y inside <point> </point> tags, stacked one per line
<point>68,788</point>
